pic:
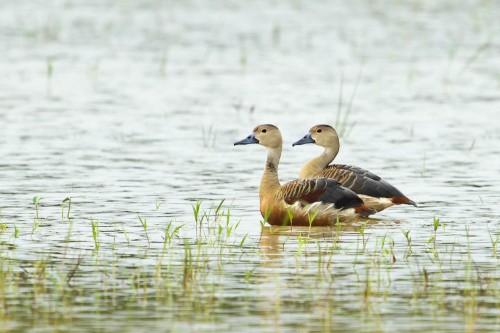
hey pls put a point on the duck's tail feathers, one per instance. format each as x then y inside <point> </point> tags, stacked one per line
<point>403,201</point>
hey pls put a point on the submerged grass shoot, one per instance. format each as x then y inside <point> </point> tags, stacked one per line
<point>342,123</point>
<point>95,233</point>
<point>68,211</point>
<point>144,224</point>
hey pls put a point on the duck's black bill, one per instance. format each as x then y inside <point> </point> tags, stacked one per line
<point>247,141</point>
<point>306,139</point>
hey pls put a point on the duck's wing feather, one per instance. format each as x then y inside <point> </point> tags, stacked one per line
<point>354,169</point>
<point>361,181</point>
<point>319,190</point>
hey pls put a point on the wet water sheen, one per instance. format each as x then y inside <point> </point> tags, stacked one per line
<point>131,108</point>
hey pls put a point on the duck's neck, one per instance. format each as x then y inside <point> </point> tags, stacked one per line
<point>270,183</point>
<point>314,167</point>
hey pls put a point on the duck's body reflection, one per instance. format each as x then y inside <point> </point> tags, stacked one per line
<point>273,238</point>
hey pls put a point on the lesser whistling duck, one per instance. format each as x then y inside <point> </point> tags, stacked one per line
<point>374,191</point>
<point>321,198</point>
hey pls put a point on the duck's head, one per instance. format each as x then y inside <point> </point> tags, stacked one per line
<point>322,135</point>
<point>266,135</point>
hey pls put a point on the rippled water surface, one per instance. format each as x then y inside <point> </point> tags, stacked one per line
<point>131,108</point>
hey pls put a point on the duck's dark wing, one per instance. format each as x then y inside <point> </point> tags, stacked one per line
<point>320,190</point>
<point>361,181</point>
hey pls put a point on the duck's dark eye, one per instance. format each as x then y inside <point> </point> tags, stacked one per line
<point>264,130</point>
<point>319,130</point>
